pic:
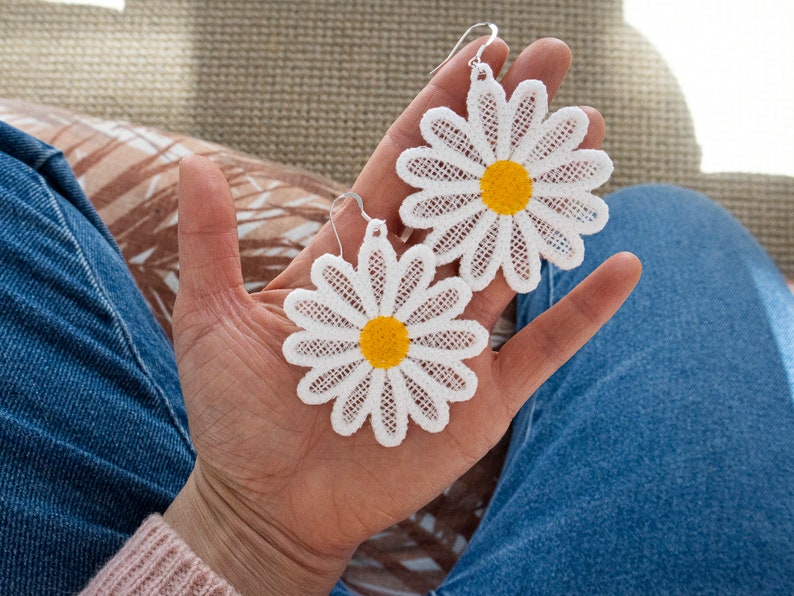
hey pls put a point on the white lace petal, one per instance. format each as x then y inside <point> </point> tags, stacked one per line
<point>390,417</point>
<point>424,165</point>
<point>320,385</point>
<point>352,408</point>
<point>376,259</point>
<point>338,284</point>
<point>417,268</point>
<point>522,267</point>
<point>587,212</point>
<point>449,243</point>
<point>443,302</point>
<point>339,335</point>
<point>559,242</point>
<point>483,256</point>
<point>561,133</point>
<point>427,208</point>
<point>429,412</point>
<point>452,382</point>
<point>583,169</point>
<point>306,308</point>
<point>489,118</point>
<point>306,349</point>
<point>458,340</point>
<point>527,107</point>
<point>441,127</point>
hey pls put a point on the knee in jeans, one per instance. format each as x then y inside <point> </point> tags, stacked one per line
<point>670,207</point>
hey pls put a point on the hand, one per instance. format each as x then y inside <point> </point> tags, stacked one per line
<point>277,502</point>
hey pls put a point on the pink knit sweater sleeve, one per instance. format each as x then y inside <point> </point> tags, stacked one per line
<point>155,560</point>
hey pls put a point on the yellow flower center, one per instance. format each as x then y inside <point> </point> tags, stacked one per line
<point>506,187</point>
<point>384,342</point>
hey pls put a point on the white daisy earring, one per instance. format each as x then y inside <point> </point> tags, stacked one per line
<point>382,341</point>
<point>506,185</point>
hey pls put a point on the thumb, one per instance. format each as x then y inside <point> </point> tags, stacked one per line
<point>209,254</point>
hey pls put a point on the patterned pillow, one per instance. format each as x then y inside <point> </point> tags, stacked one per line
<point>130,174</point>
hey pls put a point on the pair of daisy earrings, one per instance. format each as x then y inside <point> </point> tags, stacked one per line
<point>497,190</point>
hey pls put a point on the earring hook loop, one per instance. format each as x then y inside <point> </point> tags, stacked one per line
<point>478,56</point>
<point>359,202</point>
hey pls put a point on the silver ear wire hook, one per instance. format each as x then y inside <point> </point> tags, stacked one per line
<point>478,56</point>
<point>360,203</point>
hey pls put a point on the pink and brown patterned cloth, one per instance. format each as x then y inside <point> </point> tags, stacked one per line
<point>130,173</point>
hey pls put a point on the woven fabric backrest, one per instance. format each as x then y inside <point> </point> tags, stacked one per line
<point>316,83</point>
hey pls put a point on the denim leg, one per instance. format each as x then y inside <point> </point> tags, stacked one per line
<point>660,458</point>
<point>93,432</point>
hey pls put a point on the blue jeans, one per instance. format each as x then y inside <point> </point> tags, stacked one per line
<point>659,459</point>
<point>93,433</point>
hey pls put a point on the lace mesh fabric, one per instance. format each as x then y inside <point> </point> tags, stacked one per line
<point>506,186</point>
<point>381,342</point>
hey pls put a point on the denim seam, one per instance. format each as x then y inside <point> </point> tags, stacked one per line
<point>56,153</point>
<point>121,329</point>
<point>45,158</point>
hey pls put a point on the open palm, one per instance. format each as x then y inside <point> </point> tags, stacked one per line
<point>277,501</point>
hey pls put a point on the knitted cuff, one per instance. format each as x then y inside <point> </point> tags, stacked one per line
<point>155,560</point>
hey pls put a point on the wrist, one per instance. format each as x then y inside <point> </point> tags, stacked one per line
<point>253,555</point>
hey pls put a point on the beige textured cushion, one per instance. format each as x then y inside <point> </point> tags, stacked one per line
<point>316,83</point>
